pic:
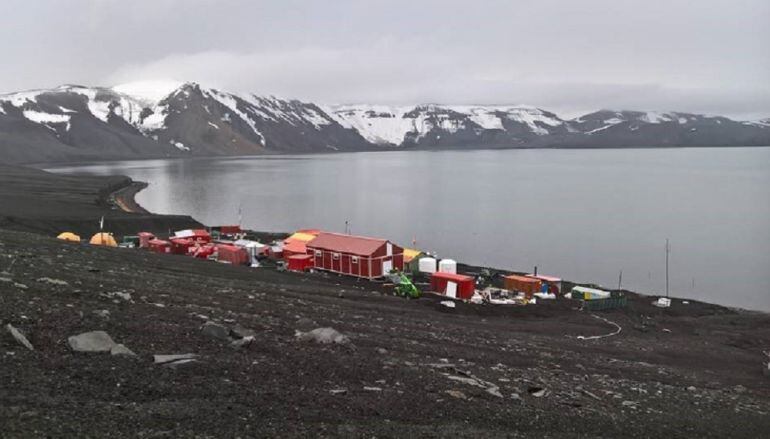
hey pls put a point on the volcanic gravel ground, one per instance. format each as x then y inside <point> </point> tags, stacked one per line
<point>411,367</point>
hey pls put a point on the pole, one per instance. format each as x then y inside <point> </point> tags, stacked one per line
<point>668,250</point>
<point>620,279</point>
<point>535,273</point>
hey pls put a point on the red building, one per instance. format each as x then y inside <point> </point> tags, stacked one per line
<point>159,246</point>
<point>355,255</point>
<point>453,285</point>
<point>232,254</point>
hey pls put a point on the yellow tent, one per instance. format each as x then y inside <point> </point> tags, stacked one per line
<point>103,238</point>
<point>68,236</point>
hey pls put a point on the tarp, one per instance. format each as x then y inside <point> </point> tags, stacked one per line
<point>68,236</point>
<point>103,238</point>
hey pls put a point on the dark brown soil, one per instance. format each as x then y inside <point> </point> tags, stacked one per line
<point>412,368</point>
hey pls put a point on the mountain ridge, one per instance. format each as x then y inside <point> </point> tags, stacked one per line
<point>173,119</point>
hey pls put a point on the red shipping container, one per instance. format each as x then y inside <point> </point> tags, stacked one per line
<point>145,238</point>
<point>232,254</point>
<point>453,285</point>
<point>524,284</point>
<point>159,246</point>
<point>300,262</point>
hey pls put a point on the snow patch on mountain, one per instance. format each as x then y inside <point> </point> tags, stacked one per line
<point>148,92</point>
<point>377,124</point>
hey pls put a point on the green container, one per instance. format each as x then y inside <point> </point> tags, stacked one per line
<point>602,304</point>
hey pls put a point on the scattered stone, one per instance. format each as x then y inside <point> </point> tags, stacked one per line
<point>456,394</point>
<point>739,389</point>
<point>382,351</point>
<point>174,358</point>
<point>631,404</point>
<point>338,391</point>
<point>372,389</point>
<point>215,330</point>
<point>94,341</point>
<point>305,324</point>
<point>239,331</point>
<point>243,342</point>
<point>120,349</point>
<point>323,336</point>
<point>537,392</point>
<point>119,294</point>
<point>103,313</point>
<point>19,337</point>
<point>6,279</point>
<point>53,281</point>
<point>516,396</point>
<point>691,389</point>
<point>20,286</point>
<point>448,303</point>
<point>494,391</point>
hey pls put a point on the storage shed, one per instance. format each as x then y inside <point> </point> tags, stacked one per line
<point>412,259</point>
<point>453,285</point>
<point>355,255</point>
<point>553,284</point>
<point>232,254</point>
<point>524,284</point>
<point>300,262</point>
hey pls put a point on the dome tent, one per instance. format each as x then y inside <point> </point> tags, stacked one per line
<point>68,236</point>
<point>103,238</point>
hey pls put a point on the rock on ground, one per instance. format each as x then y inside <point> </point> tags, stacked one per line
<point>173,358</point>
<point>94,341</point>
<point>19,337</point>
<point>215,330</point>
<point>120,349</point>
<point>324,336</point>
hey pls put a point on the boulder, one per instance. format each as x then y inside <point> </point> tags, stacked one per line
<point>323,336</point>
<point>19,337</point>
<point>215,330</point>
<point>120,349</point>
<point>94,341</point>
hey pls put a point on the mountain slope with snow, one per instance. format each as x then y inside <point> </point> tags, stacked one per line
<point>171,119</point>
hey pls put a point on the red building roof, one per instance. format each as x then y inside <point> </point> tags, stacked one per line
<point>357,245</point>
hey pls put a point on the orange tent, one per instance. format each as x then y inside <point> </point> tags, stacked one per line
<point>103,238</point>
<point>68,236</point>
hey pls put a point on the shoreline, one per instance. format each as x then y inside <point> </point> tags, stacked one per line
<point>44,165</point>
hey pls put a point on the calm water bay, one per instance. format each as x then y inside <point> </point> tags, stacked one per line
<point>583,215</point>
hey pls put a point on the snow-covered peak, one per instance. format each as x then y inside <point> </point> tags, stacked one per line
<point>148,92</point>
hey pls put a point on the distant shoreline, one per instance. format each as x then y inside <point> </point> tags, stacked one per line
<point>53,165</point>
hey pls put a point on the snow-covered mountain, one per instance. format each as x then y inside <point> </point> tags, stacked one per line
<point>161,120</point>
<point>168,119</point>
<point>446,124</point>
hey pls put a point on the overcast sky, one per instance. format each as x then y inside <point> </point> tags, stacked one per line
<point>567,56</point>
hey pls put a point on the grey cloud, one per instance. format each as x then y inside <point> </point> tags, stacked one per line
<point>707,56</point>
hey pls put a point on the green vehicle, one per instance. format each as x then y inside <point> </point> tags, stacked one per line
<point>404,286</point>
